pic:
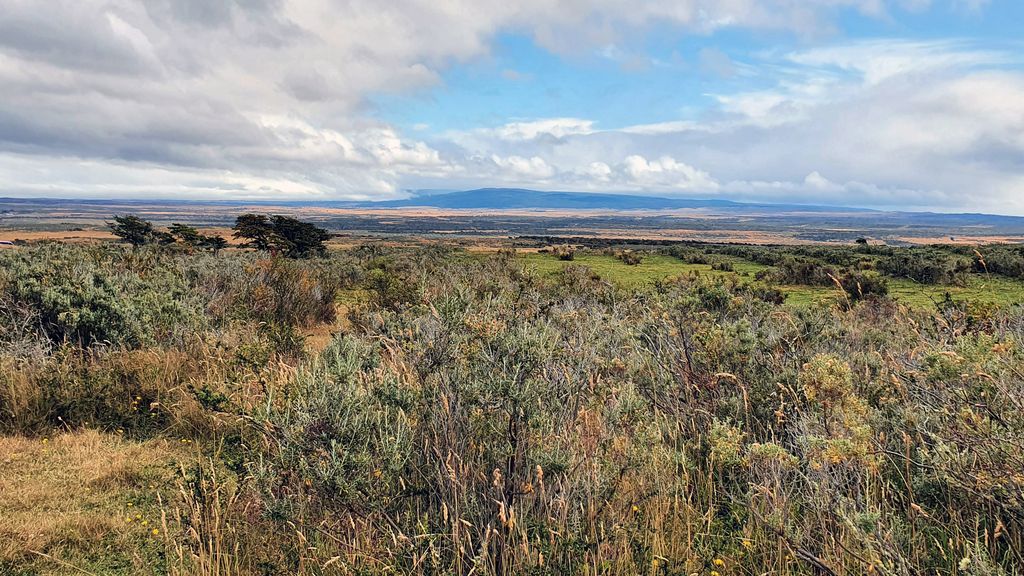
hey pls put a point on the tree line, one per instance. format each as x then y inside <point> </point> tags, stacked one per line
<point>277,234</point>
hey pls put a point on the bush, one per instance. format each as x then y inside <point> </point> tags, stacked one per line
<point>99,295</point>
<point>565,253</point>
<point>860,285</point>
<point>630,257</point>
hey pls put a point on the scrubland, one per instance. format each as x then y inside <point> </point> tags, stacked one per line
<point>714,410</point>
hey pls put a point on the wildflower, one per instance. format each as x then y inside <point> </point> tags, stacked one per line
<point>715,573</point>
<point>718,562</point>
<point>156,532</point>
<point>45,440</point>
<point>748,544</point>
<point>128,519</point>
<point>145,522</point>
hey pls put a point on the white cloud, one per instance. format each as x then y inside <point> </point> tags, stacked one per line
<point>551,127</point>
<point>518,167</point>
<point>666,172</point>
<point>192,98</point>
<point>945,131</point>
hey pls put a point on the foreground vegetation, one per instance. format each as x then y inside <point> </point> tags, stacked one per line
<point>506,414</point>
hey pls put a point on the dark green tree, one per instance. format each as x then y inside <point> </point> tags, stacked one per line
<point>186,234</point>
<point>257,230</point>
<point>298,239</point>
<point>214,243</point>
<point>163,238</point>
<point>282,234</point>
<point>132,229</point>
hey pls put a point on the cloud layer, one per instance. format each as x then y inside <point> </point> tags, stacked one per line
<point>267,99</point>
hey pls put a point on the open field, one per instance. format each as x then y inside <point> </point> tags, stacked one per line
<point>994,290</point>
<point>752,224</point>
<point>484,405</point>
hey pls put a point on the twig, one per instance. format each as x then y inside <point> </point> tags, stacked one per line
<point>62,563</point>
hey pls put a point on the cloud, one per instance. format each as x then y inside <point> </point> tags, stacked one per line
<point>937,125</point>
<point>518,167</point>
<point>666,172</point>
<point>548,127</point>
<point>246,98</point>
<point>714,61</point>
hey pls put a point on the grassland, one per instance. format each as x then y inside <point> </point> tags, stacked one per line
<point>91,497</point>
<point>980,289</point>
<point>653,268</point>
<point>401,408</point>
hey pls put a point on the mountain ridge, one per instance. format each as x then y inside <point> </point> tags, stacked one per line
<point>524,198</point>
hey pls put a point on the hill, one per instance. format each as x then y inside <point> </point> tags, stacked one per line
<point>520,198</point>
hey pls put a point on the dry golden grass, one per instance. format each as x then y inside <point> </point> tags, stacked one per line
<point>83,502</point>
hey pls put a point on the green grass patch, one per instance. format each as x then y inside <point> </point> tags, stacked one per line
<point>993,289</point>
<point>653,268</point>
<point>981,289</point>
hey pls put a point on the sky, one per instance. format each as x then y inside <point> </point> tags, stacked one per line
<point>898,104</point>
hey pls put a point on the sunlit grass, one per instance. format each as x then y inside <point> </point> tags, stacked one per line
<point>654,267</point>
<point>83,502</point>
<point>979,289</point>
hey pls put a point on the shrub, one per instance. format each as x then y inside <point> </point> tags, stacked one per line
<point>826,380</point>
<point>860,285</point>
<point>630,257</point>
<point>566,253</point>
<point>100,295</point>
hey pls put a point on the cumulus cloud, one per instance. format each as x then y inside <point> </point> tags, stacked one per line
<point>257,98</point>
<point>666,172</point>
<point>935,126</point>
<point>516,167</point>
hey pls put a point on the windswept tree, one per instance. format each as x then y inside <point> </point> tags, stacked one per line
<point>299,239</point>
<point>283,234</point>
<point>186,234</point>
<point>214,243</point>
<point>257,230</point>
<point>133,229</point>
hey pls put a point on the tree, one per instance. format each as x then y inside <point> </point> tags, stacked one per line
<point>257,229</point>
<point>289,236</point>
<point>298,239</point>
<point>163,238</point>
<point>186,234</point>
<point>215,243</point>
<point>132,229</point>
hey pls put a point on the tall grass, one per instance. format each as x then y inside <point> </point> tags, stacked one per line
<point>476,419</point>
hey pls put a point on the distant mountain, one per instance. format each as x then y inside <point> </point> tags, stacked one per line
<point>519,198</point>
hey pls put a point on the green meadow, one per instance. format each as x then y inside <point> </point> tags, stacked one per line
<point>984,289</point>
